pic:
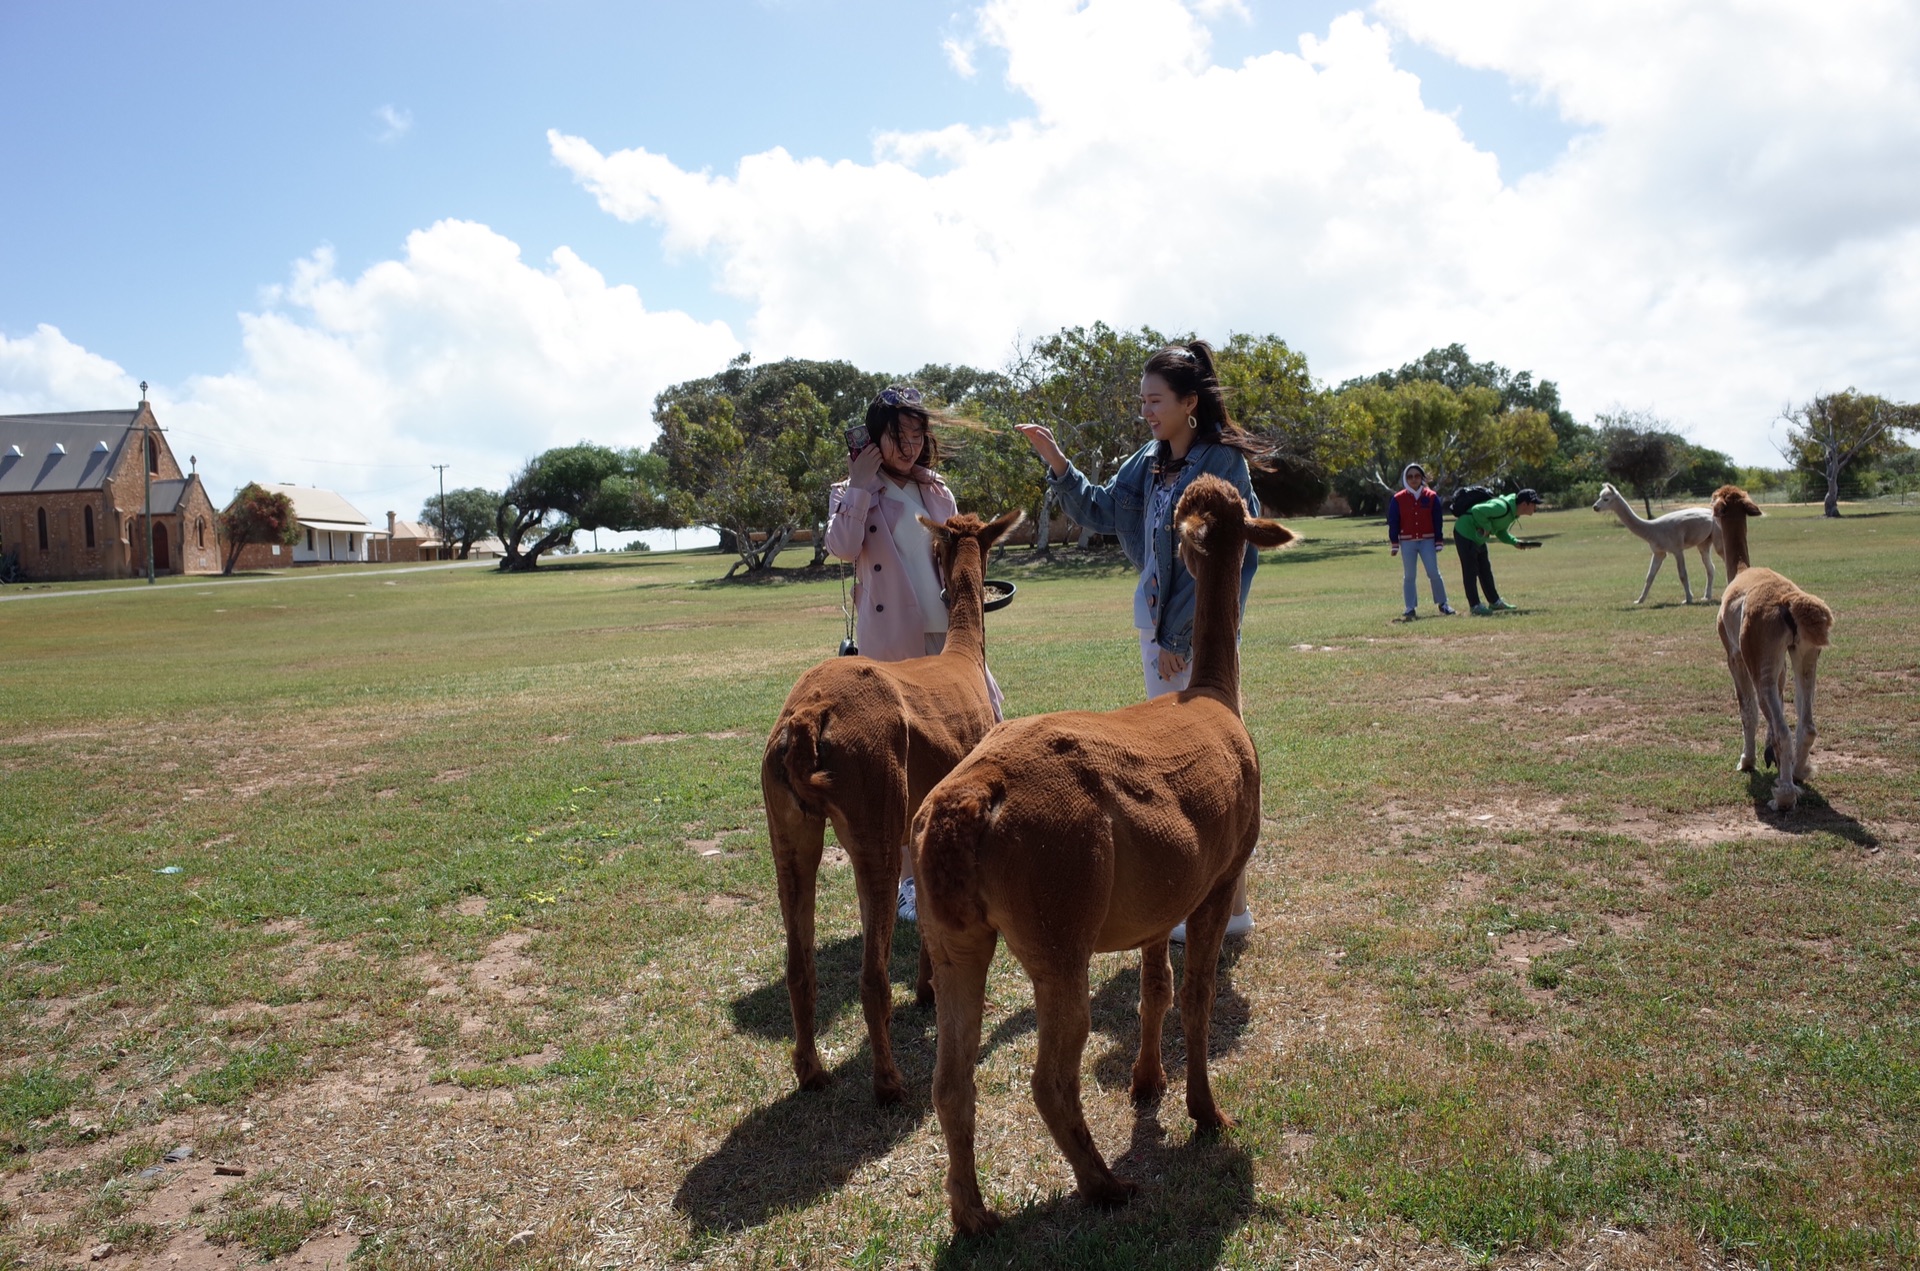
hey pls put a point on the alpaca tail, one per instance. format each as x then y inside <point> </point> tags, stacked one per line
<point>800,745</point>
<point>1809,619</point>
<point>952,825</point>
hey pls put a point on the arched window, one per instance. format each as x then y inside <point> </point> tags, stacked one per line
<point>43,529</point>
<point>88,518</point>
<point>153,456</point>
<point>200,531</point>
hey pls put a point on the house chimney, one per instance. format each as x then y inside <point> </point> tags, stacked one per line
<point>389,525</point>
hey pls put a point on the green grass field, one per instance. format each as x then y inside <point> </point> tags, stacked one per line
<point>440,904</point>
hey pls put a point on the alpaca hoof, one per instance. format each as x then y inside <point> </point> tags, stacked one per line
<point>889,1090</point>
<point>1111,1194</point>
<point>1148,1086</point>
<point>1746,764</point>
<point>976,1222</point>
<point>1783,800</point>
<point>811,1075</point>
<point>923,997</point>
<point>1210,1120</point>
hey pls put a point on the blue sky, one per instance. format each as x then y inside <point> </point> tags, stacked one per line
<point>172,171</point>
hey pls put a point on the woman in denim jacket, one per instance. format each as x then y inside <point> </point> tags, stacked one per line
<point>1181,401</point>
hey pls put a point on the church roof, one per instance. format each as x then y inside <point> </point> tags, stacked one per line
<point>72,450</point>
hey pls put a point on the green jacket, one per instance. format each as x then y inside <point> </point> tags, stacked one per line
<point>1492,519</point>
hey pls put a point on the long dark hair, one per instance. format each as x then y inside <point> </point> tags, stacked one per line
<point>885,412</point>
<point>1188,371</point>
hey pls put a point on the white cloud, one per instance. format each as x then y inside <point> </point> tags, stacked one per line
<point>1738,225</point>
<point>47,371</point>
<point>395,123</point>
<point>458,352</point>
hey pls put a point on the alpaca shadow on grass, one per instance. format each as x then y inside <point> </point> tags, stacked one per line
<point>809,1143</point>
<point>1116,1019</point>
<point>1193,1196</point>
<point>1811,815</point>
<point>767,1011</point>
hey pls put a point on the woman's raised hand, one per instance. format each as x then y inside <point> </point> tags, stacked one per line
<point>865,466</point>
<point>1040,437</point>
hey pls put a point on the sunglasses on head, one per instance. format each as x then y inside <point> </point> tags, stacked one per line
<point>899,397</point>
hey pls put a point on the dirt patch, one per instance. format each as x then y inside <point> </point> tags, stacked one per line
<point>471,906</point>
<point>191,1251</point>
<point>451,774</point>
<point>499,973</point>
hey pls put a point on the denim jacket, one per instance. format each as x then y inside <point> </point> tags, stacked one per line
<point>1120,507</point>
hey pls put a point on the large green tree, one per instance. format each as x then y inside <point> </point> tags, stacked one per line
<point>574,488</point>
<point>1639,451</point>
<point>752,450</point>
<point>463,517</point>
<point>1310,433</point>
<point>1834,430</point>
<point>1459,435</point>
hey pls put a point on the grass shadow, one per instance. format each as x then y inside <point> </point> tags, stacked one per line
<point>796,1150</point>
<point>1192,1197</point>
<point>767,1012</point>
<point>1811,815</point>
<point>1310,550</point>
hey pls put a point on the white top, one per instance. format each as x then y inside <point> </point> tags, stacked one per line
<point>914,542</point>
<point>1145,596</point>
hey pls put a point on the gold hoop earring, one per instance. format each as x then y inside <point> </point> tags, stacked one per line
<point>1193,425</point>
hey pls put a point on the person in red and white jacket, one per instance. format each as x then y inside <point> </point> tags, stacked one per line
<point>1413,528</point>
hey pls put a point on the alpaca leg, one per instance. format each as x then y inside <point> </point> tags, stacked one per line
<point>879,890</point>
<point>1686,584</point>
<point>1653,569</point>
<point>1206,929</point>
<point>960,962</point>
<point>797,841</point>
<point>1743,687</point>
<point>1156,995</point>
<point>1060,1000</point>
<point>1806,661</point>
<point>1768,679</point>
<point>1706,562</point>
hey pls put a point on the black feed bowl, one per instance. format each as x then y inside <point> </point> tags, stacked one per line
<point>999,594</point>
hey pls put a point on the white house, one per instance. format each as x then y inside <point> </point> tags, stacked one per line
<point>331,529</point>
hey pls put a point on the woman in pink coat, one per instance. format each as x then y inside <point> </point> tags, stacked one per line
<point>899,596</point>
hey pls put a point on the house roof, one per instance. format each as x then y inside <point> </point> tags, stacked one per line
<point>318,509</point>
<point>74,450</point>
<point>413,529</point>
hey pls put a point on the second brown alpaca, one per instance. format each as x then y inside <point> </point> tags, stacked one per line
<point>1079,832</point>
<point>1768,625</point>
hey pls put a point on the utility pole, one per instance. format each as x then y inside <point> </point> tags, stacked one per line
<point>444,544</point>
<point>146,474</point>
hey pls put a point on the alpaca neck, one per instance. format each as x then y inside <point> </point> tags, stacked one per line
<point>1216,622</point>
<point>1628,517</point>
<point>966,620</point>
<point>1733,537</point>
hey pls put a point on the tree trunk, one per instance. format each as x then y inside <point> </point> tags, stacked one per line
<point>1042,532</point>
<point>1832,507</point>
<point>1646,503</point>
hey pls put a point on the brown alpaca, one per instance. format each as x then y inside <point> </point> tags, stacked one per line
<point>860,743</point>
<point>1767,624</point>
<point>1077,833</point>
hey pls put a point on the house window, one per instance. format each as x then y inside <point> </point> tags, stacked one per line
<point>153,456</point>
<point>309,539</point>
<point>89,523</point>
<point>43,529</point>
<point>200,531</point>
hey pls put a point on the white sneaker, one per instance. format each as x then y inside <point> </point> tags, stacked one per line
<point>904,906</point>
<point>1240,924</point>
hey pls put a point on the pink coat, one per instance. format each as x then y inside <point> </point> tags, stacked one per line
<point>860,524</point>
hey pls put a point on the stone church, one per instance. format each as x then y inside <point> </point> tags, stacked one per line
<point>71,489</point>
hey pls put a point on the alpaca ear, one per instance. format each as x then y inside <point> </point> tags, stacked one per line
<point>1264,533</point>
<point>1005,523</point>
<point>1193,533</point>
<point>939,530</point>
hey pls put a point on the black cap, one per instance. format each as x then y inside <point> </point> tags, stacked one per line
<point>1528,496</point>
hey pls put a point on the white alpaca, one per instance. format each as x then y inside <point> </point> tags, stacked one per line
<point>1669,535</point>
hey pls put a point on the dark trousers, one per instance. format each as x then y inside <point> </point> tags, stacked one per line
<point>1476,569</point>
